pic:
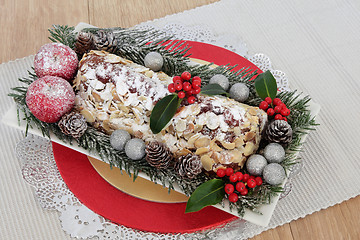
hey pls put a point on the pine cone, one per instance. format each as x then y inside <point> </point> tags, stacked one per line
<point>189,166</point>
<point>106,41</point>
<point>279,131</point>
<point>84,43</point>
<point>158,155</point>
<point>73,124</point>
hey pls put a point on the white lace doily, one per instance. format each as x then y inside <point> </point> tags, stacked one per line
<point>40,171</point>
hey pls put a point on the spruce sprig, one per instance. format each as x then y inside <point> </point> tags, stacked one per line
<point>63,34</point>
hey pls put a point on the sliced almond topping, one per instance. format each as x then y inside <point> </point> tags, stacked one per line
<point>202,150</point>
<point>207,162</point>
<point>253,111</point>
<point>192,140</point>
<point>96,96</point>
<point>106,125</point>
<point>88,115</point>
<point>203,141</point>
<point>138,134</point>
<point>124,108</point>
<point>228,145</point>
<point>237,131</point>
<point>180,125</point>
<point>182,152</point>
<point>149,74</point>
<point>249,148</point>
<point>102,116</point>
<point>217,157</point>
<point>111,58</point>
<point>249,136</point>
<point>214,146</point>
<point>239,141</point>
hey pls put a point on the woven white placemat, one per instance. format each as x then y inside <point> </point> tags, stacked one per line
<point>315,43</point>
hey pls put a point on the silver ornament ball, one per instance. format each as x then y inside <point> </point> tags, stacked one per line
<point>256,164</point>
<point>274,174</point>
<point>135,149</point>
<point>119,138</point>
<point>239,92</point>
<point>274,153</point>
<point>154,61</point>
<point>220,79</point>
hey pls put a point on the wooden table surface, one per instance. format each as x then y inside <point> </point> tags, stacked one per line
<point>23,30</point>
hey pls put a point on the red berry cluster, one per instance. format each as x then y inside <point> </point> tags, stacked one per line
<point>279,108</point>
<point>239,183</point>
<point>184,85</point>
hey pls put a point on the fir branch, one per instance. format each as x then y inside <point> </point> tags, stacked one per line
<point>63,34</point>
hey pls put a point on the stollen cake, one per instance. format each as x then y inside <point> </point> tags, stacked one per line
<point>116,93</point>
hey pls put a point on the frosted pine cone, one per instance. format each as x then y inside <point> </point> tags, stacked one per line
<point>106,41</point>
<point>279,131</point>
<point>84,43</point>
<point>73,124</point>
<point>158,155</point>
<point>189,166</point>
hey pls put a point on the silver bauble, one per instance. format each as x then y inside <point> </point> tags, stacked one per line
<point>274,174</point>
<point>256,164</point>
<point>274,153</point>
<point>119,138</point>
<point>154,61</point>
<point>135,149</point>
<point>239,92</point>
<point>220,79</point>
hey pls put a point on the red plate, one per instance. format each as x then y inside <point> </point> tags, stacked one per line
<point>102,198</point>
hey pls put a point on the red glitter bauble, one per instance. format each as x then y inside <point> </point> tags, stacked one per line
<point>49,98</point>
<point>56,59</point>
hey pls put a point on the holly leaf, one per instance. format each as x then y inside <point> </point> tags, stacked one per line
<point>265,85</point>
<point>213,89</point>
<point>207,194</point>
<point>163,112</point>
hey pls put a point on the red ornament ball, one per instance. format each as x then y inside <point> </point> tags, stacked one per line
<point>233,178</point>
<point>220,172</point>
<point>56,59</point>
<point>171,87</point>
<point>229,171</point>
<point>186,76</point>
<point>277,109</point>
<point>270,112</point>
<point>229,188</point>
<point>268,100</point>
<point>277,101</point>
<point>178,85</point>
<point>251,183</point>
<point>196,90</point>
<point>177,78</point>
<point>196,83</point>
<point>244,192</point>
<point>191,99</point>
<point>246,177</point>
<point>187,86</point>
<point>233,197</point>
<point>240,186</point>
<point>263,105</point>
<point>258,181</point>
<point>181,94</point>
<point>49,98</point>
<point>196,78</point>
<point>239,175</point>
<point>285,112</point>
<point>278,117</point>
